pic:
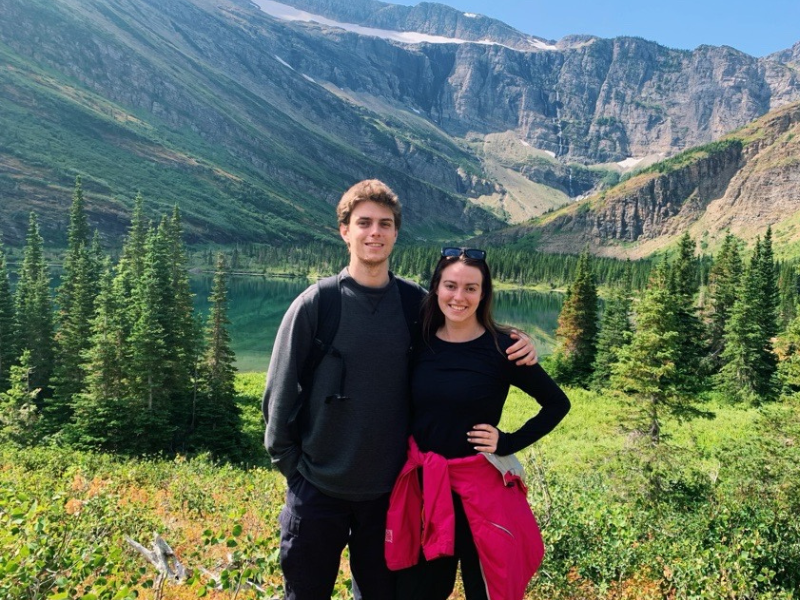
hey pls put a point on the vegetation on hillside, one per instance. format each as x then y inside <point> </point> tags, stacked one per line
<point>722,526</point>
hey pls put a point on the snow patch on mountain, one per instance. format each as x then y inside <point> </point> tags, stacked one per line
<point>289,13</point>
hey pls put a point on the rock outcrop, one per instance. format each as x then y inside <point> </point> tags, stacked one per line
<point>742,184</point>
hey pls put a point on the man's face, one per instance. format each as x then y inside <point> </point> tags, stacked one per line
<point>371,233</point>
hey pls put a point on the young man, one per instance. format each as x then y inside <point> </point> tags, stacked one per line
<point>342,447</point>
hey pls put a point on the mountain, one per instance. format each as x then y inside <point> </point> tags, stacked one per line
<point>191,102</point>
<point>255,117</point>
<point>743,183</point>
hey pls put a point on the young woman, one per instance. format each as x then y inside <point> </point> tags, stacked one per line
<point>454,500</point>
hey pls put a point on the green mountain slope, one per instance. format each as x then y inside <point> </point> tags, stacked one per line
<point>141,96</point>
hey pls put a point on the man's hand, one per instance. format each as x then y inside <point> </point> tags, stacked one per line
<point>523,351</point>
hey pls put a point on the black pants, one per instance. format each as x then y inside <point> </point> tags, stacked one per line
<point>315,528</point>
<point>435,579</point>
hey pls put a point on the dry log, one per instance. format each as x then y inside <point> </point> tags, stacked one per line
<point>163,559</point>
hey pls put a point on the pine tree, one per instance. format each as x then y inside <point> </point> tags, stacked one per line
<point>75,299</point>
<point>767,282</point>
<point>576,334</point>
<point>217,423</point>
<point>724,282</point>
<point>131,264</point>
<point>748,360</point>
<point>615,333</point>
<point>648,373</point>
<point>102,412</point>
<point>8,340</point>
<point>18,413</point>
<point>684,284</point>
<point>181,333</point>
<point>150,359</point>
<point>34,310</point>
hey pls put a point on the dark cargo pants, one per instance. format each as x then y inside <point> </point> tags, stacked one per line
<point>315,528</point>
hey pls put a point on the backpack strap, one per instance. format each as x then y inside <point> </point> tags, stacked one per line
<point>328,315</point>
<point>411,299</point>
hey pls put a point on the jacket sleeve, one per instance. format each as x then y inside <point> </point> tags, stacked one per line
<point>534,381</point>
<point>280,404</point>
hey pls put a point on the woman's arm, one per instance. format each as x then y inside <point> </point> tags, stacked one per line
<point>535,382</point>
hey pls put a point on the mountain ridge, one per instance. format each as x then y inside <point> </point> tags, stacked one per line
<point>742,184</point>
<point>255,125</point>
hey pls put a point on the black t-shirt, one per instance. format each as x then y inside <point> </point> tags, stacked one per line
<point>456,386</point>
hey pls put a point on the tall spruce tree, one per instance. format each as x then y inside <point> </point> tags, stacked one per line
<point>615,333</point>
<point>102,411</point>
<point>768,293</point>
<point>576,335</point>
<point>150,362</point>
<point>34,309</point>
<point>748,359</point>
<point>75,299</point>
<point>648,373</point>
<point>131,265</point>
<point>647,368</point>
<point>8,338</point>
<point>217,421</point>
<point>724,283</point>
<point>181,333</point>
<point>685,283</point>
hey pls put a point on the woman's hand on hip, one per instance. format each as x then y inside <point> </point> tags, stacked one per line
<point>484,438</point>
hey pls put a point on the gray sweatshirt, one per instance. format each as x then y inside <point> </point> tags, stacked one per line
<point>353,448</point>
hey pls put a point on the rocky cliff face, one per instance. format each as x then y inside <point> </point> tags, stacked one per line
<point>588,100</point>
<point>742,184</point>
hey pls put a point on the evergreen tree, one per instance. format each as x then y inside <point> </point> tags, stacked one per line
<point>615,333</point>
<point>181,334</point>
<point>648,367</point>
<point>102,412</point>
<point>748,360</point>
<point>34,309</point>
<point>724,282</point>
<point>8,341</point>
<point>150,359</point>
<point>217,423</point>
<point>75,299</point>
<point>684,284</point>
<point>576,334</point>
<point>648,372</point>
<point>767,282</point>
<point>131,265</point>
<point>18,413</point>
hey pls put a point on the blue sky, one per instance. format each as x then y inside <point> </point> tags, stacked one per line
<point>757,27</point>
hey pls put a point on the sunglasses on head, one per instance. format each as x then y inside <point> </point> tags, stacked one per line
<point>473,253</point>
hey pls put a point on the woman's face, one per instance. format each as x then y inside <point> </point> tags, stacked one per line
<point>460,292</point>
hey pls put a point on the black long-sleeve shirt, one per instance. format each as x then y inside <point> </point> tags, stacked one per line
<point>456,386</point>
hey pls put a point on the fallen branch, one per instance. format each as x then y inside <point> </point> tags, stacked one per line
<point>163,559</point>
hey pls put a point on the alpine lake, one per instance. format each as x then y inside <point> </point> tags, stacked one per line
<point>256,306</point>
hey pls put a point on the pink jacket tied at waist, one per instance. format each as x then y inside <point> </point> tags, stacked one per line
<point>505,531</point>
